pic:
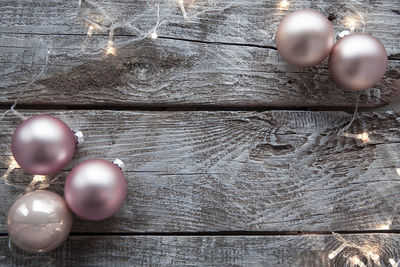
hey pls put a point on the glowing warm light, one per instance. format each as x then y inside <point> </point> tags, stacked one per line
<point>39,178</point>
<point>364,137</point>
<point>393,263</point>
<point>110,48</point>
<point>182,7</point>
<point>385,226</point>
<point>90,30</point>
<point>352,22</point>
<point>284,4</point>
<point>13,163</point>
<point>12,166</point>
<point>333,254</point>
<point>154,35</point>
<point>357,262</point>
<point>373,256</point>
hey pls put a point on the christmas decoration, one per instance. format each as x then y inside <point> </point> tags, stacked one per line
<point>43,145</point>
<point>95,189</point>
<point>305,38</point>
<point>358,61</point>
<point>39,221</point>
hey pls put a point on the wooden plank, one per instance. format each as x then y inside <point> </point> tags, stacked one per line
<point>309,251</point>
<point>212,171</point>
<point>237,21</point>
<point>171,73</point>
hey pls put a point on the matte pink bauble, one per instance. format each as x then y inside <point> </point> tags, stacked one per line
<point>43,145</point>
<point>305,38</point>
<point>39,221</point>
<point>358,62</point>
<point>95,189</point>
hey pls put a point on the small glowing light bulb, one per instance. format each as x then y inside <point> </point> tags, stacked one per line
<point>364,137</point>
<point>393,262</point>
<point>14,163</point>
<point>154,35</point>
<point>110,48</point>
<point>375,257</point>
<point>352,22</point>
<point>385,226</point>
<point>39,178</point>
<point>284,4</point>
<point>90,30</point>
<point>12,166</point>
<point>357,262</point>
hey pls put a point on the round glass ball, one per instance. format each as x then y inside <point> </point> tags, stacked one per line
<point>43,145</point>
<point>95,189</point>
<point>39,221</point>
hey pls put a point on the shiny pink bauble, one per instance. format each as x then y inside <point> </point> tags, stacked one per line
<point>43,145</point>
<point>39,221</point>
<point>358,62</point>
<point>95,189</point>
<point>305,38</point>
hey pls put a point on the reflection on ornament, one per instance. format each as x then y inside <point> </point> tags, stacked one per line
<point>305,38</point>
<point>95,189</point>
<point>357,62</point>
<point>39,221</point>
<point>43,145</point>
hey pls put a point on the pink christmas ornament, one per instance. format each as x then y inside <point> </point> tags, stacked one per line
<point>43,145</point>
<point>305,38</point>
<point>39,221</point>
<point>358,61</point>
<point>95,189</point>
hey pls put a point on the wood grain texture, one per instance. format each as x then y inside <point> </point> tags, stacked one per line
<point>282,251</point>
<point>226,21</point>
<point>172,73</point>
<point>225,171</point>
<point>225,55</point>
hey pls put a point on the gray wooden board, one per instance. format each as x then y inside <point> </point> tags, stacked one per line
<point>212,171</point>
<point>207,171</point>
<point>226,21</point>
<point>308,250</point>
<point>188,72</point>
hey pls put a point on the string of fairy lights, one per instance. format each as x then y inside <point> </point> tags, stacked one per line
<point>353,21</point>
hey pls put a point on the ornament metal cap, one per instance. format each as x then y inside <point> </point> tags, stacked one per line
<point>79,137</point>
<point>119,163</point>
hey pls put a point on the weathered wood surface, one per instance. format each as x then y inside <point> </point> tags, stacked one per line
<point>225,171</point>
<point>271,173</point>
<point>309,250</point>
<point>239,68</point>
<point>224,21</point>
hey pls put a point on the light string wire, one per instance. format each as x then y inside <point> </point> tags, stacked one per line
<point>42,182</point>
<point>355,20</point>
<point>13,165</point>
<point>152,33</point>
<point>14,250</point>
<point>352,21</point>
<point>26,87</point>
